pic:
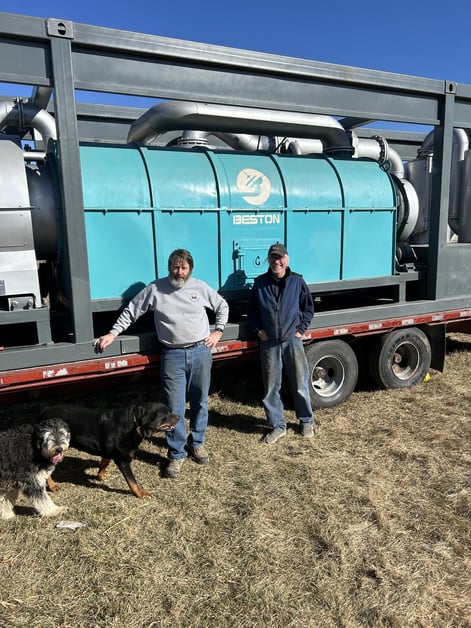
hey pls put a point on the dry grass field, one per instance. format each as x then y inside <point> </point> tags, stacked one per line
<point>367,524</point>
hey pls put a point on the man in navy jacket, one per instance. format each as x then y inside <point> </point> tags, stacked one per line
<point>279,311</point>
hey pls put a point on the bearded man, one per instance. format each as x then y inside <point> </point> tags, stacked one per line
<point>180,303</point>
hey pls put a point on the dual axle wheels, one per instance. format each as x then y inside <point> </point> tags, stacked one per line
<point>398,359</point>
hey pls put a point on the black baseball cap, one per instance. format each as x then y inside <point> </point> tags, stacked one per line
<point>277,249</point>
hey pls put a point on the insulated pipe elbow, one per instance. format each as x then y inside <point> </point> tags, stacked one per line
<point>42,121</point>
<point>23,115</point>
<point>397,165</point>
<point>378,149</point>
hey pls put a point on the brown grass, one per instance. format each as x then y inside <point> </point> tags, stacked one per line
<point>368,524</point>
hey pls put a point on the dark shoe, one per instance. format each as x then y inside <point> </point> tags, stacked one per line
<point>199,454</point>
<point>174,467</point>
<point>307,430</point>
<point>273,436</point>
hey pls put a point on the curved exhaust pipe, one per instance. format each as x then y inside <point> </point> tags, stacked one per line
<point>180,116</point>
<point>21,115</point>
<point>378,149</point>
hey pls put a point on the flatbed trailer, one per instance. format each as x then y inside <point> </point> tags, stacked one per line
<point>387,256</point>
<point>35,379</point>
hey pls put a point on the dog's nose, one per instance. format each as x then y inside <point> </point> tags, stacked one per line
<point>59,450</point>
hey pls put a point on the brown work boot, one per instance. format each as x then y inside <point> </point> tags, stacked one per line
<point>199,454</point>
<point>173,468</point>
<point>307,430</point>
<point>273,436</point>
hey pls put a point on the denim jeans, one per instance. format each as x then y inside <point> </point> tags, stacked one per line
<point>186,375</point>
<point>290,354</point>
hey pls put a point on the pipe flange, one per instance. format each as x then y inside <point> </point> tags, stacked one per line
<point>383,149</point>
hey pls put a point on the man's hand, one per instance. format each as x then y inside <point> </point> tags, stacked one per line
<point>102,342</point>
<point>213,338</point>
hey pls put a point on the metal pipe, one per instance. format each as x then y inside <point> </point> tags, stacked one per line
<point>456,209</point>
<point>301,146</point>
<point>244,141</point>
<point>34,155</point>
<point>22,115</point>
<point>378,149</point>
<point>459,147</point>
<point>173,115</point>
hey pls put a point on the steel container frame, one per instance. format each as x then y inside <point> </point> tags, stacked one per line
<point>57,57</point>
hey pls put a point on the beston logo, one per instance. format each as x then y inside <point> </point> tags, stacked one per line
<point>254,186</point>
<point>256,219</point>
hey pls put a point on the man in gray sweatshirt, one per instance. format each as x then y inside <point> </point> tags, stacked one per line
<point>179,303</point>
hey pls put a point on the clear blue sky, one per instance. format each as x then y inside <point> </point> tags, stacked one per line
<point>418,37</point>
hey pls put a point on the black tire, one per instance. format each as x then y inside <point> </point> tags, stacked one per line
<point>400,359</point>
<point>333,368</point>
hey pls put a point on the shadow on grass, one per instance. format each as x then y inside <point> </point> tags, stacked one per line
<point>458,344</point>
<point>238,422</point>
<point>83,472</point>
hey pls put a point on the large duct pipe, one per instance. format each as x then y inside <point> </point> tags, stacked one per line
<point>465,216</point>
<point>456,209</point>
<point>459,147</point>
<point>172,115</point>
<point>22,115</point>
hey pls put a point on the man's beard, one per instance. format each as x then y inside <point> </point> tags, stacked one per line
<point>178,283</point>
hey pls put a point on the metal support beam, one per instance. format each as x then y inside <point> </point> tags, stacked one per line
<point>442,150</point>
<point>72,195</point>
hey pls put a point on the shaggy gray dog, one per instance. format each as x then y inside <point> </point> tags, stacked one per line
<point>28,456</point>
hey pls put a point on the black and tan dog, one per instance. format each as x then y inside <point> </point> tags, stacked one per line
<point>28,456</point>
<point>114,434</point>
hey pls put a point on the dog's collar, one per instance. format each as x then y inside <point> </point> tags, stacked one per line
<point>138,427</point>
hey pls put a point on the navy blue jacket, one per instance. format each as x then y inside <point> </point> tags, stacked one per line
<point>282,307</point>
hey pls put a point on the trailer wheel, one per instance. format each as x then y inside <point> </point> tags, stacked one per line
<point>401,358</point>
<point>333,371</point>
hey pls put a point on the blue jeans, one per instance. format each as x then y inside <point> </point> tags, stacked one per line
<point>290,354</point>
<point>186,375</point>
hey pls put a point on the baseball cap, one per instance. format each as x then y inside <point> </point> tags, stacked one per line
<point>277,249</point>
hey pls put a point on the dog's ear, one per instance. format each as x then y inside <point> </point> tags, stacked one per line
<point>139,413</point>
<point>143,419</point>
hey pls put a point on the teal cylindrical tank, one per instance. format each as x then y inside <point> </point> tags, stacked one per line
<point>336,216</point>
